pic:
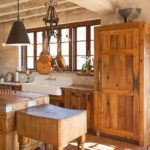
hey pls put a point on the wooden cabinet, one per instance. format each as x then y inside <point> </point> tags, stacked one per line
<point>56,100</point>
<point>10,86</point>
<point>122,69</point>
<point>80,97</point>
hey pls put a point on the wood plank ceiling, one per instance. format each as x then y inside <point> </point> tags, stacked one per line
<point>36,8</point>
<point>30,8</point>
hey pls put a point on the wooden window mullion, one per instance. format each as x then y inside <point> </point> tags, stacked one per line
<point>70,50</point>
<point>43,36</point>
<point>24,56</point>
<point>59,43</point>
<point>35,49</point>
<point>88,43</point>
<point>75,49</point>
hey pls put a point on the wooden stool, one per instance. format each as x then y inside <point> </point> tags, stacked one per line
<point>52,125</point>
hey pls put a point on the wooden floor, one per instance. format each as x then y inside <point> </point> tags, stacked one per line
<point>102,143</point>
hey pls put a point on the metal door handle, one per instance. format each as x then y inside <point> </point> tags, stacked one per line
<point>99,75</point>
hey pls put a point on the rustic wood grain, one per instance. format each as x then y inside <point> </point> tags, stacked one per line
<point>122,103</point>
<point>80,97</point>
<point>50,124</point>
<point>20,100</point>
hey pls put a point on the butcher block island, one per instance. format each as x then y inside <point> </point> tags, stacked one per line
<point>9,103</point>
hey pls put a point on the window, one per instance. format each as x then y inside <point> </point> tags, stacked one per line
<point>53,46</point>
<point>39,46</point>
<point>65,39</point>
<point>80,47</point>
<point>76,43</point>
<point>30,52</point>
<point>92,43</point>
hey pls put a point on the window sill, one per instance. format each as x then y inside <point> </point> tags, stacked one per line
<point>85,74</point>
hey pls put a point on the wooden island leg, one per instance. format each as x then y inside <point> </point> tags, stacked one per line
<point>81,141</point>
<point>57,147</point>
<point>23,143</point>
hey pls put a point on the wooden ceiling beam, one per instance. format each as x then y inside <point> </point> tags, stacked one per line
<point>31,7</point>
<point>5,4</point>
<point>40,13</point>
<point>98,6</point>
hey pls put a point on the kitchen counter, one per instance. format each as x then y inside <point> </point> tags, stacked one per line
<point>9,103</point>
<point>80,88</point>
<point>10,83</point>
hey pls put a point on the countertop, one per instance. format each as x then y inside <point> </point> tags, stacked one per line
<point>11,83</point>
<point>11,98</point>
<point>79,87</point>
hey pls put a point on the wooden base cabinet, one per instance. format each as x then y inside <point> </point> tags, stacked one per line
<point>122,81</point>
<point>80,97</point>
<point>56,100</point>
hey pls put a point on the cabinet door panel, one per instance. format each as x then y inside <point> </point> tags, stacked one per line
<point>82,100</point>
<point>117,40</point>
<point>117,72</point>
<point>117,112</point>
<point>119,95</point>
<point>75,100</point>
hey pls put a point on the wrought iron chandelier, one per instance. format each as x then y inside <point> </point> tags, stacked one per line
<point>51,19</point>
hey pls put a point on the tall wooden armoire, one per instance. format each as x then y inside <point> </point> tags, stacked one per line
<point>122,81</point>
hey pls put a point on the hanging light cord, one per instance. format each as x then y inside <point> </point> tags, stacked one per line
<point>18,10</point>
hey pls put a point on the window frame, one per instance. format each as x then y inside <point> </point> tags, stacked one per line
<point>72,43</point>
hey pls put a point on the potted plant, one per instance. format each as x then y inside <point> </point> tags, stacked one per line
<point>87,67</point>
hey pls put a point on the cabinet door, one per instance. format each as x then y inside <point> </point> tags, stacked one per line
<point>75,99</point>
<point>119,93</point>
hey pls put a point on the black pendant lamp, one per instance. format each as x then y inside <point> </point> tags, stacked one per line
<point>18,35</point>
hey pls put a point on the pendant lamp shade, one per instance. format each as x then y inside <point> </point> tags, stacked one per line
<point>18,35</point>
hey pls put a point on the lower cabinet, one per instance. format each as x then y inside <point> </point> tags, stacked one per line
<point>77,97</point>
<point>56,100</point>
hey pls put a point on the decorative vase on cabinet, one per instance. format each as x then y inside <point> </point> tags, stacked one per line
<point>122,60</point>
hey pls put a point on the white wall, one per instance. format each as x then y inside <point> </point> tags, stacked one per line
<point>9,55</point>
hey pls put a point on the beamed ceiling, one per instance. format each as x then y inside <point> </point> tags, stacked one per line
<point>36,8</point>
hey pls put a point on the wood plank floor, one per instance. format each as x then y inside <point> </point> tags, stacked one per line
<point>103,143</point>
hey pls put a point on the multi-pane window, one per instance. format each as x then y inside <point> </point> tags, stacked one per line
<point>30,52</point>
<point>65,44</point>
<point>53,46</point>
<point>92,43</point>
<point>80,47</point>
<point>75,44</point>
<point>39,46</point>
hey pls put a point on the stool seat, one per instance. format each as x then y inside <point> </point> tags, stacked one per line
<point>52,124</point>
